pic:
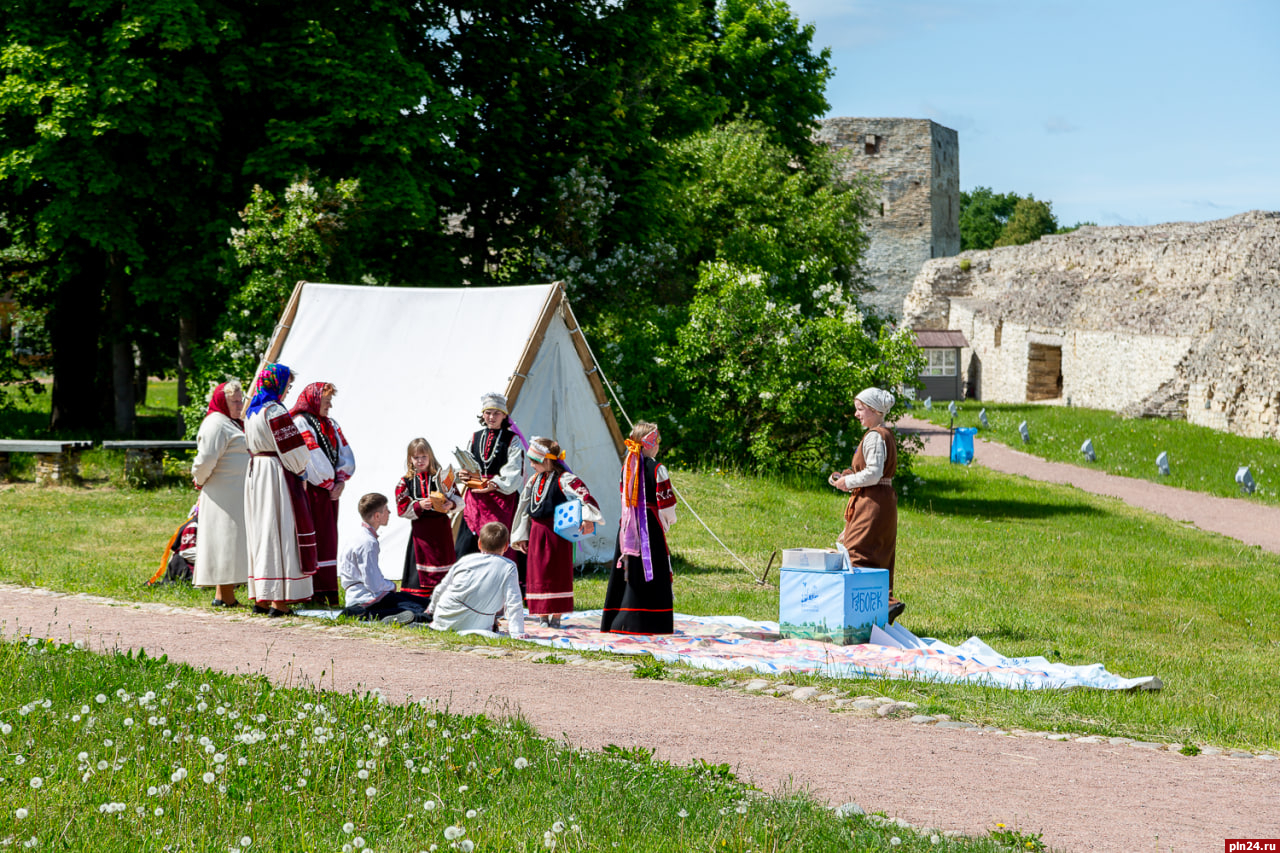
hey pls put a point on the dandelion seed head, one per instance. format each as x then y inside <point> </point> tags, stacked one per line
<point>348,827</point>
<point>100,699</point>
<point>471,813</point>
<point>371,792</point>
<point>21,814</point>
<point>159,812</point>
<point>245,841</point>
<point>429,805</point>
<point>522,763</point>
<point>453,833</point>
<point>36,782</point>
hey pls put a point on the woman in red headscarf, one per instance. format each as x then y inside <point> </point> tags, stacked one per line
<point>222,460</point>
<point>330,465</point>
<point>639,599</point>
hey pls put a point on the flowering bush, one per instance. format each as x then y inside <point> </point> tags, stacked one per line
<point>774,384</point>
<point>284,241</point>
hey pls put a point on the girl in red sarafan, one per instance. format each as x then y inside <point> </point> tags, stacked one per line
<point>493,493</point>
<point>425,502</point>
<point>550,572</point>
<point>329,465</point>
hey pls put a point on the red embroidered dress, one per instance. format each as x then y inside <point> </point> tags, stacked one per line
<point>550,566</point>
<point>431,551</point>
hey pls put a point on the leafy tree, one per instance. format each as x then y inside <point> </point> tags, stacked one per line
<point>983,214</point>
<point>1031,220</point>
<point>129,133</point>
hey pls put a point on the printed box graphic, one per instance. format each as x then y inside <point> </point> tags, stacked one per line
<point>834,607</point>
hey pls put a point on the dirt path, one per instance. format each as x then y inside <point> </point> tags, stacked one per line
<point>1083,797</point>
<point>1249,522</point>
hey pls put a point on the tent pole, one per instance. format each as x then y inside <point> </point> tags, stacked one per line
<point>278,337</point>
<point>516,382</point>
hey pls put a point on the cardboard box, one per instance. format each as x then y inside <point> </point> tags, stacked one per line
<point>835,607</point>
<point>812,558</point>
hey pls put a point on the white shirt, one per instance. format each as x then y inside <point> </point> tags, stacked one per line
<point>474,592</point>
<point>874,454</point>
<point>358,570</point>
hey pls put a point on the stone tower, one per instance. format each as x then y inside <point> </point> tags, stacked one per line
<point>916,212</point>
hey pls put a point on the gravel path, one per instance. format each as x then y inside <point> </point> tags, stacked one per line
<point>1082,796</point>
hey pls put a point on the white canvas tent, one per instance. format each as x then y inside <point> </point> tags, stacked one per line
<point>411,362</point>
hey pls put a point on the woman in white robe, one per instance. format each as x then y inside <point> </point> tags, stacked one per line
<point>282,546</point>
<point>222,460</point>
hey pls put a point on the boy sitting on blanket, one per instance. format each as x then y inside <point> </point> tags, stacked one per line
<point>369,595</point>
<point>479,587</point>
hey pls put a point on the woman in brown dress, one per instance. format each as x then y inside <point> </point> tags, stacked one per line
<point>871,516</point>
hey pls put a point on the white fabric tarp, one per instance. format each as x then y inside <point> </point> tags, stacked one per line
<point>411,362</point>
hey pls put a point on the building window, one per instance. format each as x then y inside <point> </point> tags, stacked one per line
<point>942,362</point>
<point>871,144</point>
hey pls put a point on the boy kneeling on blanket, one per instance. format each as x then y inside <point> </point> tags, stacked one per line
<point>369,594</point>
<point>479,588</point>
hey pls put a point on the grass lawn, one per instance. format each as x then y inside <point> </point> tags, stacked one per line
<point>29,418</point>
<point>117,752</point>
<point>1031,568</point>
<point>1200,459</point>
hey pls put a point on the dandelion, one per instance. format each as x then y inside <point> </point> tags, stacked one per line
<point>429,805</point>
<point>5,728</point>
<point>466,845</point>
<point>159,812</point>
<point>682,814</point>
<point>20,760</point>
<point>178,775</point>
<point>371,792</point>
<point>21,814</point>
<point>103,765</point>
<point>209,778</point>
<point>557,827</point>
<point>36,781</point>
<point>363,774</point>
<point>453,833</point>
<point>357,842</point>
<point>101,699</point>
<point>462,789</point>
<point>245,841</point>
<point>241,761</point>
<point>522,763</point>
<point>348,827</point>
<point>471,813</point>
<point>895,841</point>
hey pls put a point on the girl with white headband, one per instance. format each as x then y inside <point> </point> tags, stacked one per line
<point>871,516</point>
<point>550,556</point>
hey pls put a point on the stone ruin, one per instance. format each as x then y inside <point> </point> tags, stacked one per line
<point>1180,320</point>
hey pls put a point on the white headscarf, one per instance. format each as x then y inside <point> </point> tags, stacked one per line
<point>494,400</point>
<point>878,399</point>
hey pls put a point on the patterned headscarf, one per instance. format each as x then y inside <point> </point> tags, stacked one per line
<point>635,524</point>
<point>308,403</point>
<point>218,403</point>
<point>272,381</point>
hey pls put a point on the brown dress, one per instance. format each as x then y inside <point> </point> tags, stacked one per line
<point>871,517</point>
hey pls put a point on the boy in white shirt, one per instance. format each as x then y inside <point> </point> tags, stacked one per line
<point>479,588</point>
<point>369,595</point>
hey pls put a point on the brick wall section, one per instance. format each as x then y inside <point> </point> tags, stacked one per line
<point>1180,320</point>
<point>916,215</point>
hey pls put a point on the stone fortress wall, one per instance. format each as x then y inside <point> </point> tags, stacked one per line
<point>916,215</point>
<point>1174,320</point>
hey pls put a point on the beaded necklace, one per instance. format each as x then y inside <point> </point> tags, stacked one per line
<point>330,448</point>
<point>490,448</point>
<point>541,492</point>
<point>422,484</point>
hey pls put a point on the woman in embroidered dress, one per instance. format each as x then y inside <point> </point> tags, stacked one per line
<point>330,465</point>
<point>871,516</point>
<point>639,598</point>
<point>499,450</point>
<point>550,572</point>
<point>423,500</point>
<point>222,460</point>
<point>282,539</point>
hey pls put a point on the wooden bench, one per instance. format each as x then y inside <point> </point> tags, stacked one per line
<point>57,462</point>
<point>144,460</point>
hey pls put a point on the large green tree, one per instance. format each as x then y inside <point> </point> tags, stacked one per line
<point>131,132</point>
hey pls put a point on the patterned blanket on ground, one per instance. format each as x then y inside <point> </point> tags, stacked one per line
<point>734,643</point>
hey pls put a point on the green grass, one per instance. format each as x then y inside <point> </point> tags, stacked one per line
<point>120,752</point>
<point>1200,459</point>
<point>1031,568</point>
<point>28,417</point>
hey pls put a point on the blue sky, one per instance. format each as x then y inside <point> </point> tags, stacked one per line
<point>1127,112</point>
